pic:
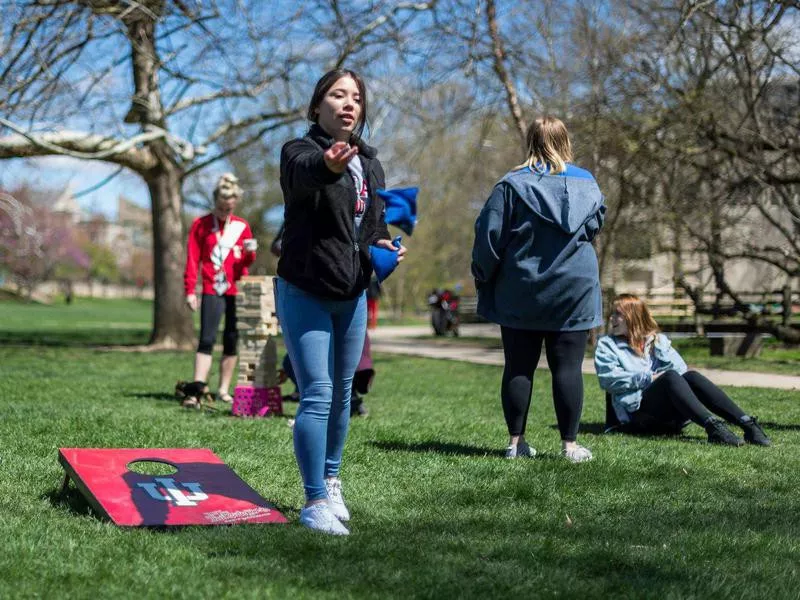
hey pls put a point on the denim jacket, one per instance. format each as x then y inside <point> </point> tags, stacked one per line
<point>625,374</point>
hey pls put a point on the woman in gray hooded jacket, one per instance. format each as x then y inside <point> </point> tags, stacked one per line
<point>537,276</point>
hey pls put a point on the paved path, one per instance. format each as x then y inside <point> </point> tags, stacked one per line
<point>406,340</point>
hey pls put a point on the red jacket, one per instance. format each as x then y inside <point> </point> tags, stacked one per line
<point>204,237</point>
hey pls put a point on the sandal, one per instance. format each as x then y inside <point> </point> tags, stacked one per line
<point>225,397</point>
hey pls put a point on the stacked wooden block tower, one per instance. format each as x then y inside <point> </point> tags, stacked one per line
<point>257,392</point>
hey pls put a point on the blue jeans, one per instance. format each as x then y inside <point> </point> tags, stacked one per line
<point>324,339</point>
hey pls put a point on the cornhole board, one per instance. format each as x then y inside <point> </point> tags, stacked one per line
<point>203,491</point>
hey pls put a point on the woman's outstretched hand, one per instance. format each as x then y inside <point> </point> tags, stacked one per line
<point>337,156</point>
<point>401,251</point>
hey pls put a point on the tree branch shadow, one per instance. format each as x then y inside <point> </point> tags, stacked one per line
<point>152,396</point>
<point>437,447</point>
<point>780,426</point>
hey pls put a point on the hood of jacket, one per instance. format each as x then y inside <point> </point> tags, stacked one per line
<point>566,200</point>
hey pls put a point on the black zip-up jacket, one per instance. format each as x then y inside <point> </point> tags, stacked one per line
<point>319,250</point>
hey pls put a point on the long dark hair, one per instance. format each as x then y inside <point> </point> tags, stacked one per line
<point>325,83</point>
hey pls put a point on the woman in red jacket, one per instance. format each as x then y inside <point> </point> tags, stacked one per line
<point>221,246</point>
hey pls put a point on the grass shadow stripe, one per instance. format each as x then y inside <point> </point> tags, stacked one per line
<point>438,447</point>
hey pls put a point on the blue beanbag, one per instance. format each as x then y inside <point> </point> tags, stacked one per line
<point>384,261</point>
<point>401,207</point>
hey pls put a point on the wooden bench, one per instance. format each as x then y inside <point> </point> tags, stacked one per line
<point>682,308</point>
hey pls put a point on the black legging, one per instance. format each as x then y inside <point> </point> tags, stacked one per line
<point>211,309</point>
<point>673,397</point>
<point>565,350</point>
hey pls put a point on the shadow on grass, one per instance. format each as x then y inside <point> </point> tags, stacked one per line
<point>586,558</point>
<point>80,338</point>
<point>780,426</point>
<point>600,429</point>
<point>152,396</point>
<point>72,499</point>
<point>438,447</point>
<point>218,409</point>
<point>593,428</point>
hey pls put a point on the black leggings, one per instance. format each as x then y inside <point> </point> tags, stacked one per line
<point>211,309</point>
<point>673,397</point>
<point>565,350</point>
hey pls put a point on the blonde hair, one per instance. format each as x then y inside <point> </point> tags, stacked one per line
<point>227,186</point>
<point>548,146</point>
<point>640,322</point>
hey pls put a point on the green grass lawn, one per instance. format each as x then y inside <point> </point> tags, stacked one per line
<point>437,511</point>
<point>85,322</point>
<point>774,357</point>
<point>386,318</point>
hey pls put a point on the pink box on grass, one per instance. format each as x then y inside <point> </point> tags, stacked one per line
<point>249,401</point>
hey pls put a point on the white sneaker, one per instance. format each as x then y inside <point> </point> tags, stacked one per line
<point>524,450</point>
<point>336,500</point>
<point>577,454</point>
<point>521,449</point>
<point>320,518</point>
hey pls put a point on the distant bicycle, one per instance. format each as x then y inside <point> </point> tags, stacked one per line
<point>444,312</point>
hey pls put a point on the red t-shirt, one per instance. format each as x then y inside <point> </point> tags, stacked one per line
<point>213,241</point>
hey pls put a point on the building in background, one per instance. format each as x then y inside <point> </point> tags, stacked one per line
<point>129,237</point>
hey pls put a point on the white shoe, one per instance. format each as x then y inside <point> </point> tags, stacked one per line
<point>577,454</point>
<point>524,450</point>
<point>336,500</point>
<point>320,518</point>
<point>521,449</point>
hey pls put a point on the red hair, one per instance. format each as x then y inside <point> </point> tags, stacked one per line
<point>640,322</point>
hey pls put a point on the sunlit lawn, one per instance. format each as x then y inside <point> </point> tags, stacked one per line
<point>437,511</point>
<point>773,358</point>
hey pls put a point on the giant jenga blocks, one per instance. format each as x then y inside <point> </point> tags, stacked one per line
<point>257,390</point>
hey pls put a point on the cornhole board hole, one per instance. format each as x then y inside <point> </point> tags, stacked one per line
<point>203,490</point>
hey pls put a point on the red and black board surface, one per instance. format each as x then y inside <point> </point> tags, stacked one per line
<point>202,491</point>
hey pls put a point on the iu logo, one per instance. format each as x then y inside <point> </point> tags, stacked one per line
<point>172,493</point>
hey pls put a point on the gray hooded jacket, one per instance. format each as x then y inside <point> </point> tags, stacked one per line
<point>533,261</point>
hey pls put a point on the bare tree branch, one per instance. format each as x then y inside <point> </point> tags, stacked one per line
<point>251,92</point>
<point>231,149</point>
<point>502,73</point>
<point>357,41</point>
<point>287,116</point>
<point>80,145</point>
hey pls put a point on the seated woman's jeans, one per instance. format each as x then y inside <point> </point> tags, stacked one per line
<point>324,339</point>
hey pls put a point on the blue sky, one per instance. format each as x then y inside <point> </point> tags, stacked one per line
<point>300,45</point>
<point>211,68</point>
<point>57,173</point>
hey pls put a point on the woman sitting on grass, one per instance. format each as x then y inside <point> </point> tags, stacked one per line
<point>651,387</point>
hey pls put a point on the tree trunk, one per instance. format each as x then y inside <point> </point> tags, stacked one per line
<point>172,321</point>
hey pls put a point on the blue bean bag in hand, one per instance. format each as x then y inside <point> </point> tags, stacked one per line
<point>384,261</point>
